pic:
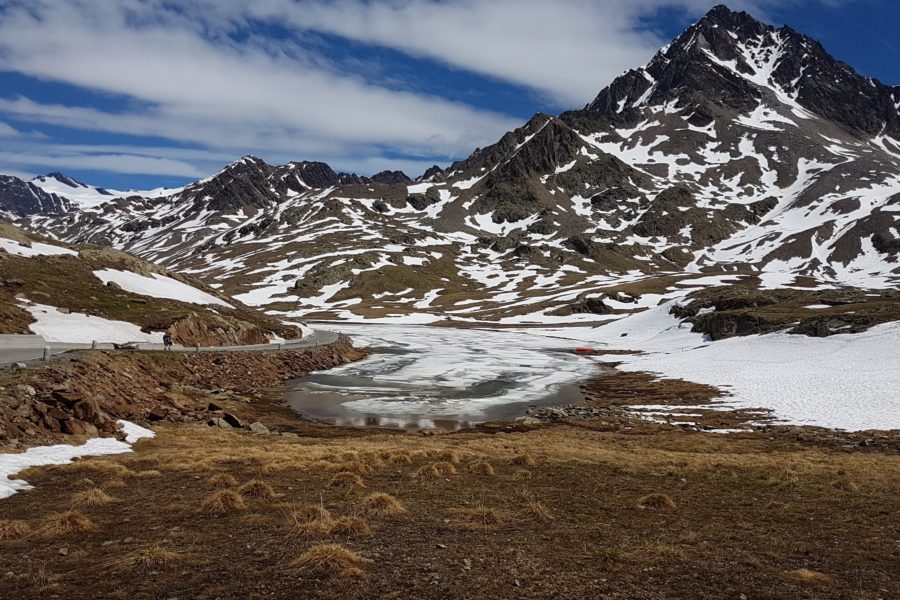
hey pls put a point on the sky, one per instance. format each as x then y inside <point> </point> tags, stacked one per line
<point>138,94</point>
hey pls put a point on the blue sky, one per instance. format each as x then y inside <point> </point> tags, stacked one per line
<point>145,93</point>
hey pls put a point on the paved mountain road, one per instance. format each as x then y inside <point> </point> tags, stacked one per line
<point>25,348</point>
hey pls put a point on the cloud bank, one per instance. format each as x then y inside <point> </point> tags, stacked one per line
<point>226,77</point>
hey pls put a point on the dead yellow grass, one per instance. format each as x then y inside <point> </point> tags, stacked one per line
<point>92,497</point>
<point>153,557</point>
<point>13,529</point>
<point>382,505</point>
<point>60,524</point>
<point>656,501</point>
<point>400,458</point>
<point>475,519</point>
<point>481,467</point>
<point>351,525</point>
<point>808,577</point>
<point>148,474</point>
<point>223,480</point>
<point>113,484</point>
<point>330,559</point>
<point>224,501</point>
<point>444,468</point>
<point>347,480</point>
<point>427,472</point>
<point>523,460</point>
<point>536,511</point>
<point>258,489</point>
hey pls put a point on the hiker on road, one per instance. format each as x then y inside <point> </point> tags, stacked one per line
<point>167,341</point>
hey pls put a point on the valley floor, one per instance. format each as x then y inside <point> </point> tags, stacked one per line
<point>556,511</point>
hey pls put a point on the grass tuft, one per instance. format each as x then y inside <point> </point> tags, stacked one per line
<point>346,480</point>
<point>330,559</point>
<point>475,519</point>
<point>537,511</point>
<point>808,577</point>
<point>222,480</point>
<point>657,502</point>
<point>481,467</point>
<point>256,488</point>
<point>523,460</point>
<point>12,529</point>
<point>351,525</point>
<point>92,497</point>
<point>224,501</point>
<point>60,524</point>
<point>382,505</point>
<point>154,557</point>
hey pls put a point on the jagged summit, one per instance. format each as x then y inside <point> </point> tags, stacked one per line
<point>730,60</point>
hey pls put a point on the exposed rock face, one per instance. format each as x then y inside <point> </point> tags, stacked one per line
<point>86,395</point>
<point>24,198</point>
<point>192,331</point>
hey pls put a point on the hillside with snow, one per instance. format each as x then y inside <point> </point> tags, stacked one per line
<point>80,294</point>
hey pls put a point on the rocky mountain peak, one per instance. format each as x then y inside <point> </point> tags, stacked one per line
<point>730,60</point>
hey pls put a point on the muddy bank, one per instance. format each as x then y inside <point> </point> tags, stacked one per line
<point>84,395</point>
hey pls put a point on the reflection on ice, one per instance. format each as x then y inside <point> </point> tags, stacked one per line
<point>420,377</point>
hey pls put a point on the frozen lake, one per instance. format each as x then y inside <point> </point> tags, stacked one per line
<point>451,378</point>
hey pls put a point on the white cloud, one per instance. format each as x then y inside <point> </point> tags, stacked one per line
<point>192,74</point>
<point>113,163</point>
<point>7,131</point>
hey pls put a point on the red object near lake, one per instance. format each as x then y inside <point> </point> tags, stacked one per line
<point>584,349</point>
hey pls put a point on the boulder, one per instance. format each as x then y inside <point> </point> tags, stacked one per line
<point>232,420</point>
<point>217,422</point>
<point>158,413</point>
<point>258,428</point>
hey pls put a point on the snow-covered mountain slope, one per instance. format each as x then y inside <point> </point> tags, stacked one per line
<point>70,293</point>
<point>740,150</point>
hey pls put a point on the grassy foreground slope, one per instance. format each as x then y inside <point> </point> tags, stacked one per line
<point>68,281</point>
<point>558,512</point>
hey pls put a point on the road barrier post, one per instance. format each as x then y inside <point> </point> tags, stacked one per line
<point>46,353</point>
<point>94,345</point>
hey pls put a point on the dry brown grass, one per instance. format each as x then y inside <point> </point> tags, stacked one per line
<point>845,485</point>
<point>113,484</point>
<point>523,460</point>
<point>92,497</point>
<point>224,501</point>
<point>380,504</point>
<point>536,511</point>
<point>66,523</point>
<point>13,529</point>
<point>657,502</point>
<point>481,467</point>
<point>113,469</point>
<point>475,519</point>
<point>330,559</point>
<point>147,474</point>
<point>222,480</point>
<point>346,480</point>
<point>444,468</point>
<point>808,577</point>
<point>257,489</point>
<point>426,472</point>
<point>153,557</point>
<point>521,475</point>
<point>400,458</point>
<point>660,550</point>
<point>450,456</point>
<point>351,525</point>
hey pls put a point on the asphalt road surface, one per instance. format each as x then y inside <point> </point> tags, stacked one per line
<point>10,355</point>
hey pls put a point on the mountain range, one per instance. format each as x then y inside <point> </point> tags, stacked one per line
<point>740,153</point>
